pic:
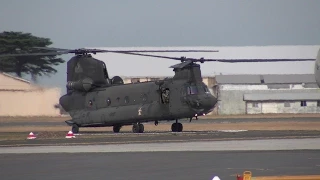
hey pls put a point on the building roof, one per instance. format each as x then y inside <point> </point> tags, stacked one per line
<point>14,77</point>
<point>267,79</point>
<point>281,96</point>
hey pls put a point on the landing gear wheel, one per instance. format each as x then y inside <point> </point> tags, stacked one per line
<point>176,127</point>
<point>75,128</point>
<point>138,128</point>
<point>116,128</point>
<point>141,128</point>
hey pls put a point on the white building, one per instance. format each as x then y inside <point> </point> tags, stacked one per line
<point>21,98</point>
<point>255,94</point>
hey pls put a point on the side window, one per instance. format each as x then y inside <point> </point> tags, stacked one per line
<point>108,101</point>
<point>126,99</point>
<point>144,97</point>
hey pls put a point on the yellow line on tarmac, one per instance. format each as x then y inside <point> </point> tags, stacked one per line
<point>304,177</point>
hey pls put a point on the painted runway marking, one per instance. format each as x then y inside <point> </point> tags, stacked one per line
<point>234,145</point>
<point>232,130</point>
<point>160,133</point>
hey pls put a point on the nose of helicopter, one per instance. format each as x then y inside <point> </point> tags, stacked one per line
<point>204,103</point>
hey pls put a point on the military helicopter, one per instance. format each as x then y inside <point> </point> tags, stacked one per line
<point>93,99</point>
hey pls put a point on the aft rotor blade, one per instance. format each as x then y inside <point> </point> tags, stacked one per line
<point>149,55</point>
<point>256,60</point>
<point>220,60</point>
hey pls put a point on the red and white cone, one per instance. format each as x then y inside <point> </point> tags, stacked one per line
<point>31,136</point>
<point>70,135</point>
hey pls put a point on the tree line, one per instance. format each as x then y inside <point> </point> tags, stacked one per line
<point>21,43</point>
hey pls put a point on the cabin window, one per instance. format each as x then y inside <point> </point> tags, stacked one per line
<point>126,99</point>
<point>165,96</point>
<point>144,97</point>
<point>108,101</point>
<point>192,90</point>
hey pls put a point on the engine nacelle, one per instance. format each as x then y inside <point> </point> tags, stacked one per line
<point>81,85</point>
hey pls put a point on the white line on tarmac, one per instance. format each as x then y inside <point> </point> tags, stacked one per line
<point>238,145</point>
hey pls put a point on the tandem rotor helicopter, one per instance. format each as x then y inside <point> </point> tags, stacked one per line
<point>94,99</point>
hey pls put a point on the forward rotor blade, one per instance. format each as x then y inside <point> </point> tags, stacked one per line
<point>33,54</point>
<point>51,49</point>
<point>100,50</point>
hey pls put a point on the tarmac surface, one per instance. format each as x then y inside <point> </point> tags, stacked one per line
<point>100,138</point>
<point>161,155</point>
<point>199,121</point>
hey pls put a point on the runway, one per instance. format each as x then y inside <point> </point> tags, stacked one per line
<point>158,165</point>
<point>184,160</point>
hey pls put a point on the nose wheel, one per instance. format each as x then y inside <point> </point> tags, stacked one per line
<point>176,127</point>
<point>138,128</point>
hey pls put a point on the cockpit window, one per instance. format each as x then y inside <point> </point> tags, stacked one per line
<point>192,90</point>
<point>206,89</point>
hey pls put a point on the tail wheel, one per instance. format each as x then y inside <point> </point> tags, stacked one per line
<point>75,128</point>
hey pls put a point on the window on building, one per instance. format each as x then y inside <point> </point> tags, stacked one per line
<point>255,104</point>
<point>154,79</point>
<point>318,103</point>
<point>286,104</point>
<point>135,80</point>
<point>303,103</point>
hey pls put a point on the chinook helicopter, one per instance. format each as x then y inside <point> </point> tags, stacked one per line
<point>93,99</point>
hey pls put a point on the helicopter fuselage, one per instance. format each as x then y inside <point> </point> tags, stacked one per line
<point>126,104</point>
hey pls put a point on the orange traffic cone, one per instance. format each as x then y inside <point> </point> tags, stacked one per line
<point>70,135</point>
<point>31,136</point>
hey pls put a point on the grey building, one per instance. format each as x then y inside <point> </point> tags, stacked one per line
<point>272,93</point>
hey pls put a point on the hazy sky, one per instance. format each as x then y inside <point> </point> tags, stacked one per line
<point>107,23</point>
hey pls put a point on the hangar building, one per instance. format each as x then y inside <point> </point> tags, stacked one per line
<point>273,93</point>
<point>21,98</point>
